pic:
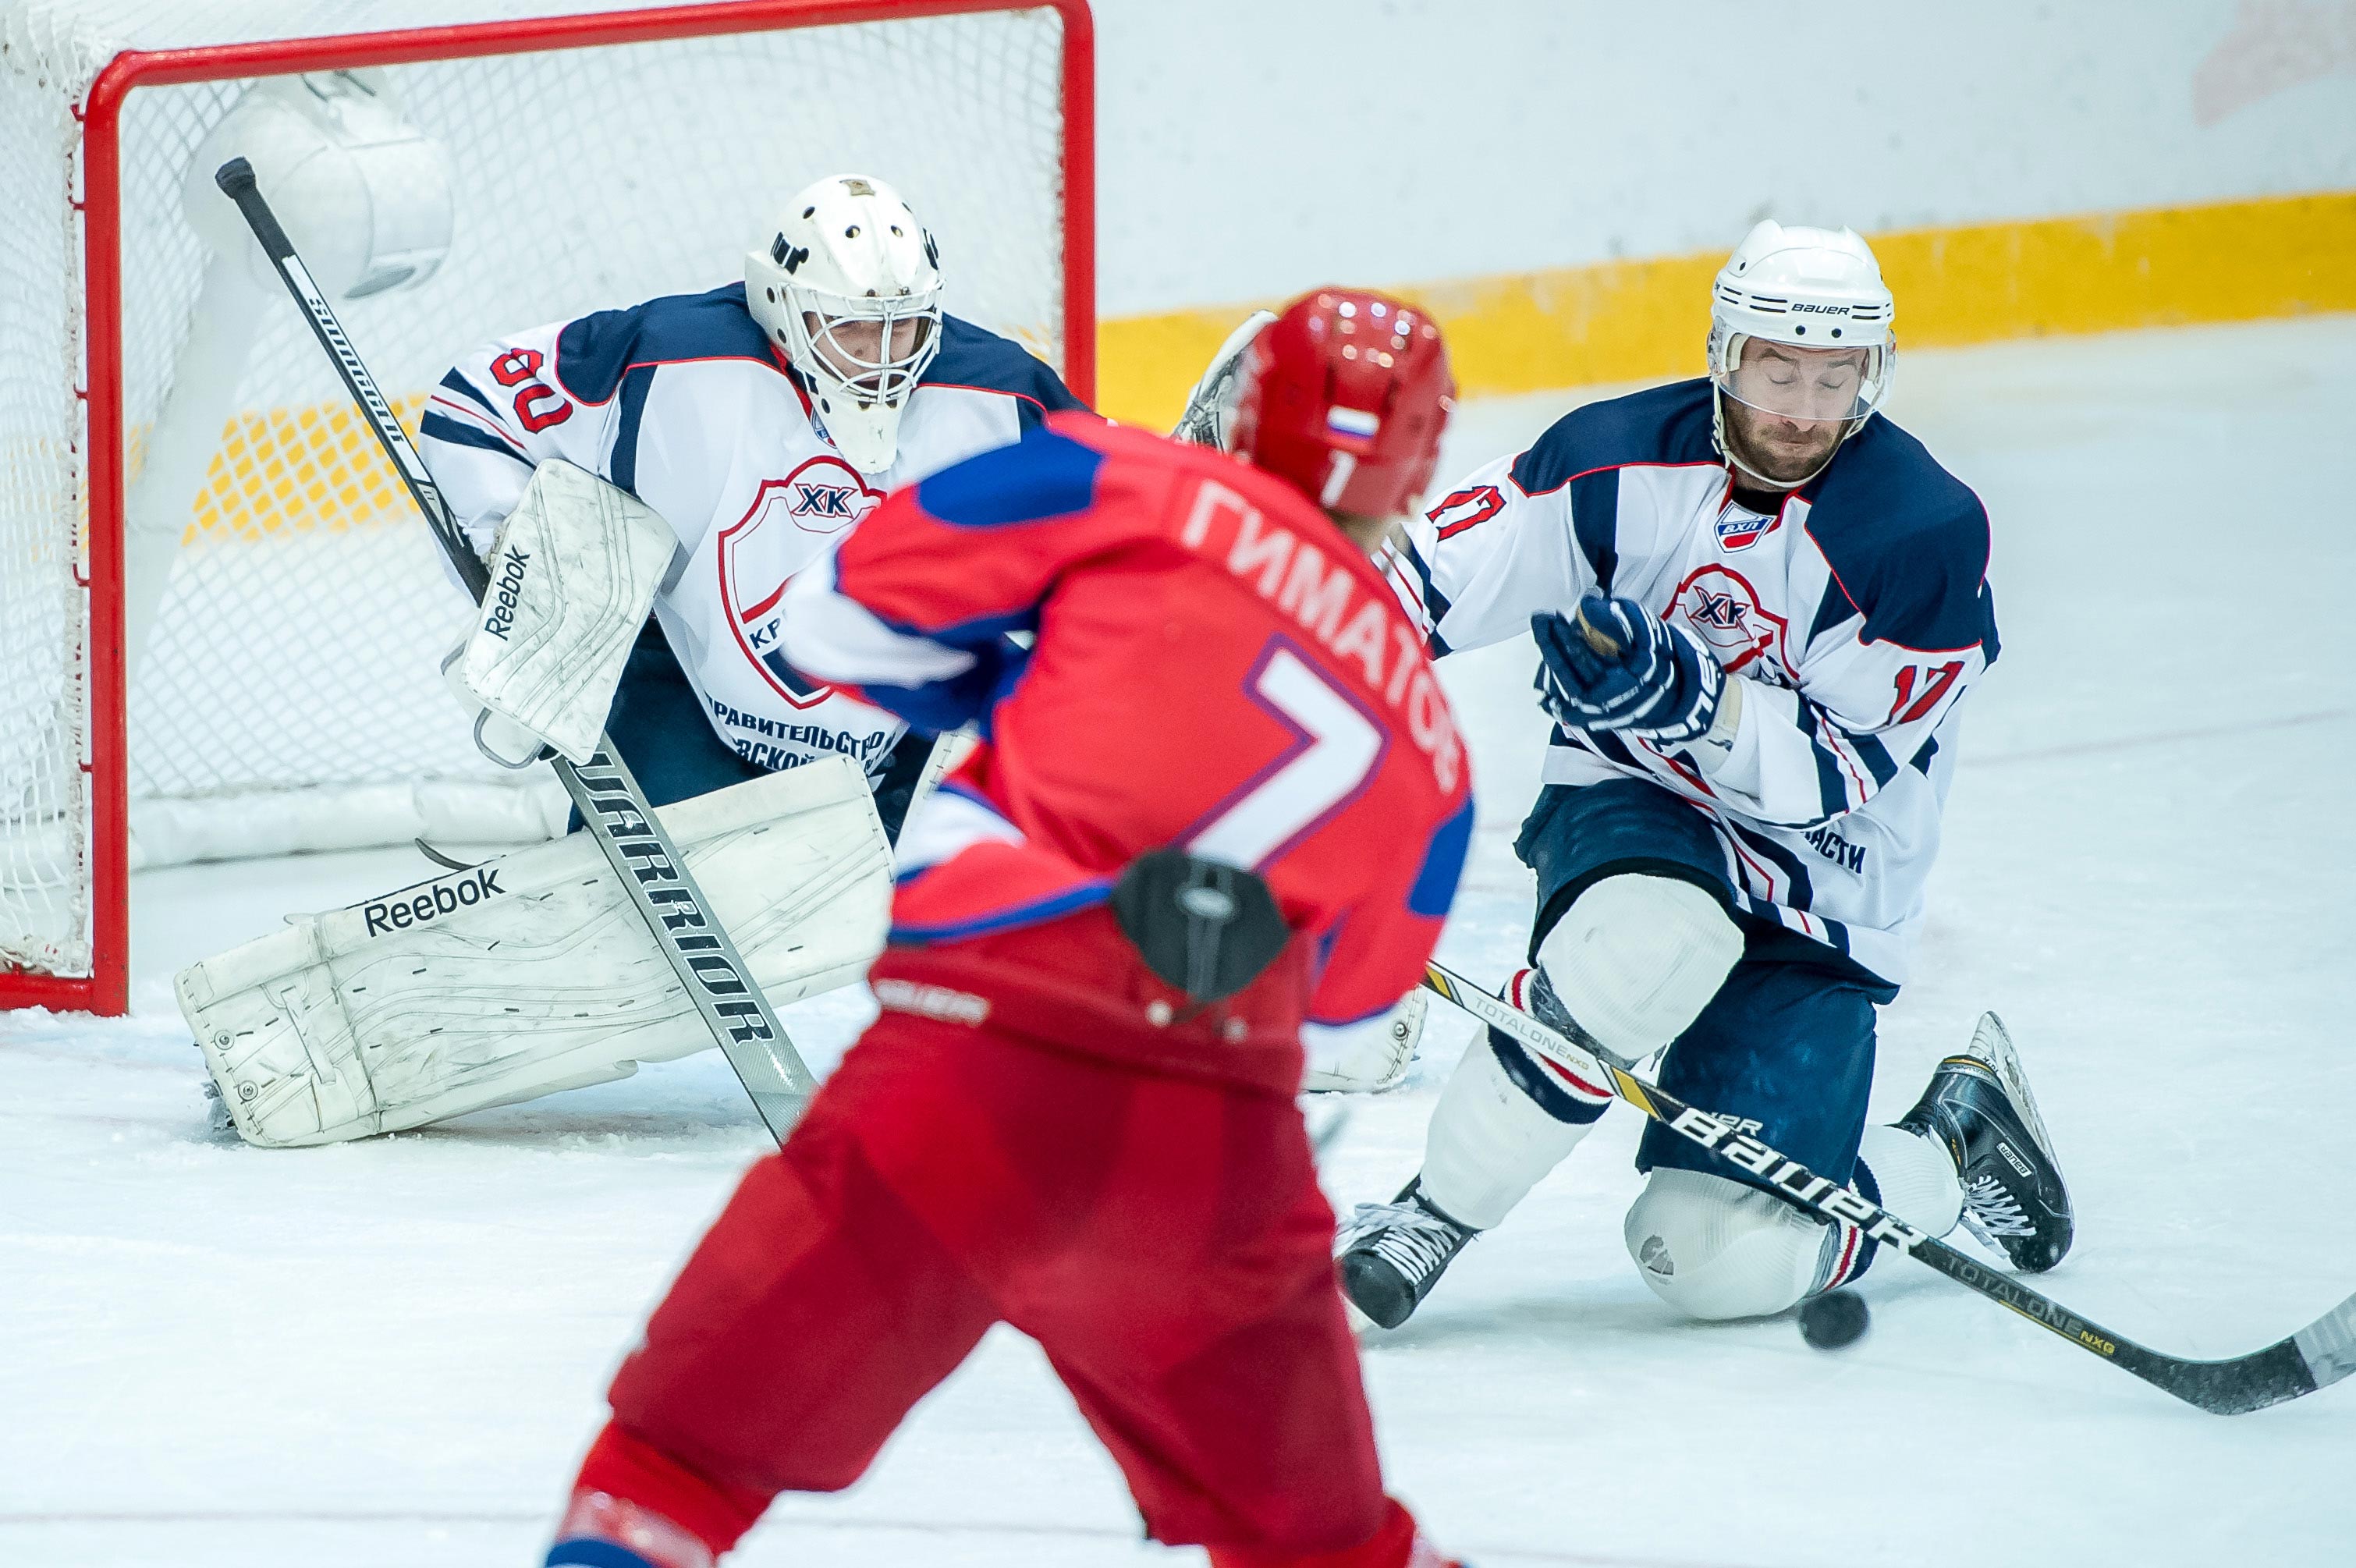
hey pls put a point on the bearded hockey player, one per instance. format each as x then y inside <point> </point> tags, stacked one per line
<point>1758,606</point>
<point>689,455</point>
<point>1222,800</point>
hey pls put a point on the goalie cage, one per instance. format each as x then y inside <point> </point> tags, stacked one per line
<point>219,616</point>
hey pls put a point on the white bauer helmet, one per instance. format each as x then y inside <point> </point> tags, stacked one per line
<point>850,250</point>
<point>1810,289</point>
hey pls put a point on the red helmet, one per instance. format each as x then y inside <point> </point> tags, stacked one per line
<point>1345,395</point>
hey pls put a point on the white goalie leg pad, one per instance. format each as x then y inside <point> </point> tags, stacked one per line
<point>1715,1249</point>
<point>1366,1057</point>
<point>574,571</point>
<point>1489,1142</point>
<point>1635,959</point>
<point>534,972</point>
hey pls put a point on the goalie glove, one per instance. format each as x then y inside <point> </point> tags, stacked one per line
<point>1211,406</point>
<point>572,576</point>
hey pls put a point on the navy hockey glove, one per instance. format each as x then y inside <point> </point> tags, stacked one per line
<point>1615,667</point>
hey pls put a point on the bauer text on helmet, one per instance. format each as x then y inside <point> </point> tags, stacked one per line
<point>1801,353</point>
<point>849,287</point>
<point>1345,395</point>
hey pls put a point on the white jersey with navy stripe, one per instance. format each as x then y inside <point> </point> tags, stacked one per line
<point>1857,617</point>
<point>680,401</point>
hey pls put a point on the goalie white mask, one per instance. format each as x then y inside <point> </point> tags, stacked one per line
<point>850,287</point>
<point>1817,292</point>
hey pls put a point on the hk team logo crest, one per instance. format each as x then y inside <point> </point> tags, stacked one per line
<point>1724,610</point>
<point>791,522</point>
<point>1719,612</point>
<point>825,506</point>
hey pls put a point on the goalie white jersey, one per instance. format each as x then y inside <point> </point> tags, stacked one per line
<point>681,401</point>
<point>1856,616</point>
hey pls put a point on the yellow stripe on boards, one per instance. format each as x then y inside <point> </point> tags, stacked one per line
<point>290,470</point>
<point>1629,320</point>
<point>2175,266</point>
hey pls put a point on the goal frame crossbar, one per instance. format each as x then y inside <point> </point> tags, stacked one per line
<point>106,989</point>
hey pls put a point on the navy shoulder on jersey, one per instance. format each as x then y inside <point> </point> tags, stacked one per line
<point>611,352</point>
<point>1907,542</point>
<point>594,353</point>
<point>975,356</point>
<point>1660,425</point>
<point>1586,449</point>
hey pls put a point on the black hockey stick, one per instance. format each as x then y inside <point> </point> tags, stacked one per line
<point>2315,1357</point>
<point>612,806</point>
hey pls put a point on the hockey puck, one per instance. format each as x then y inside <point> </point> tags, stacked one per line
<point>1834,1320</point>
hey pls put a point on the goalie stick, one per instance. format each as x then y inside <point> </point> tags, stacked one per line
<point>612,806</point>
<point>950,749</point>
<point>2315,1357</point>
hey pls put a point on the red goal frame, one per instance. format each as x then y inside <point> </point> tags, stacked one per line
<point>106,990</point>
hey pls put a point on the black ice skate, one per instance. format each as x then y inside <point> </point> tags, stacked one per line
<point>1393,1253</point>
<point>1979,1109</point>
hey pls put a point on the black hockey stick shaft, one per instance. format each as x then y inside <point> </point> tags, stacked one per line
<point>2316,1355</point>
<point>612,806</point>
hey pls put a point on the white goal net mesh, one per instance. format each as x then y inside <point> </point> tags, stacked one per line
<point>285,625</point>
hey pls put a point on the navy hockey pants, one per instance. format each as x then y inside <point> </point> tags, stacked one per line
<point>658,724</point>
<point>1786,1043</point>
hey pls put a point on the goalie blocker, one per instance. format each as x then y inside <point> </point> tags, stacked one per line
<point>532,973</point>
<point>571,580</point>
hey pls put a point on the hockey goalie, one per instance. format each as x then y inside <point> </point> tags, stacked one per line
<point>683,459</point>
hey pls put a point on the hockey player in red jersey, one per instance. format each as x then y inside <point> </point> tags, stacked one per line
<point>1219,802</point>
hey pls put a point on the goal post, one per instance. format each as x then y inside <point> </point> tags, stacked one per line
<point>251,668</point>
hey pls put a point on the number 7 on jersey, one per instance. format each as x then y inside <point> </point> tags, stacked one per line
<point>1333,754</point>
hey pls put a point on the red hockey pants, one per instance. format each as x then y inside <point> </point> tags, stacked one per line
<point>1163,1240</point>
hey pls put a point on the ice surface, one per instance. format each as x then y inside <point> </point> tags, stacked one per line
<point>391,1353</point>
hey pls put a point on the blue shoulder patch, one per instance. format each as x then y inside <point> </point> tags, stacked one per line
<point>1434,888</point>
<point>594,352</point>
<point>1660,425</point>
<point>975,356</point>
<point>1907,540</point>
<point>1040,477</point>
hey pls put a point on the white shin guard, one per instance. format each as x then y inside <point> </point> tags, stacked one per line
<point>1635,959</point>
<point>1489,1142</point>
<point>1715,1249</point>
